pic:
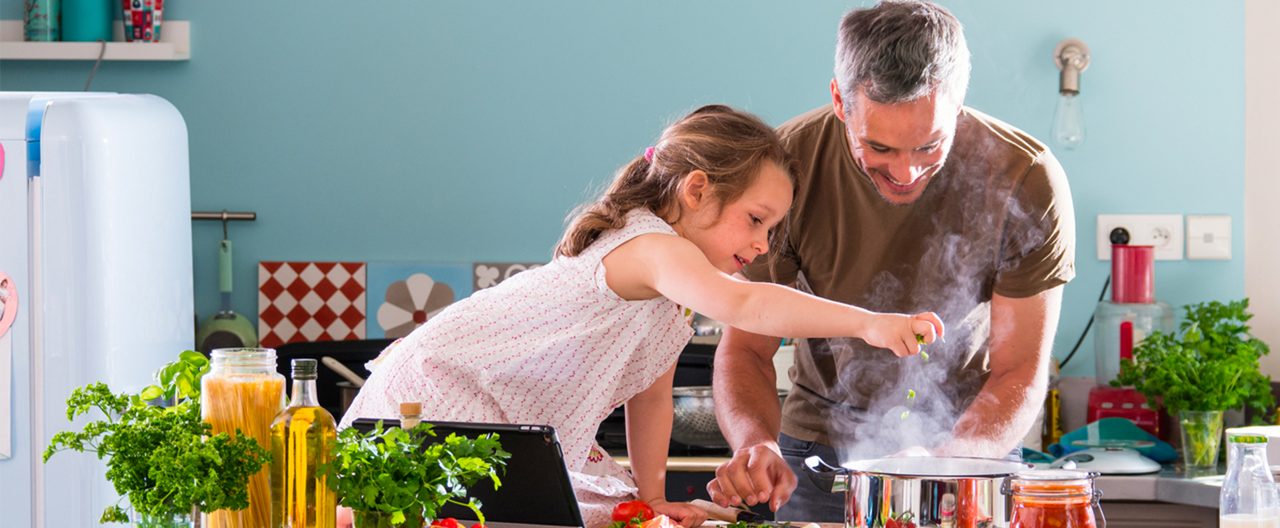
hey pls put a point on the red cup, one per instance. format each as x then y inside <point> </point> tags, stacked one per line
<point>142,20</point>
<point>1133,279</point>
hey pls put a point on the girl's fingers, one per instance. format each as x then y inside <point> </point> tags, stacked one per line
<point>905,348</point>
<point>929,325</point>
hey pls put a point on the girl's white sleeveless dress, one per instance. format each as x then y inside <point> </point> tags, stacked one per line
<point>552,346</point>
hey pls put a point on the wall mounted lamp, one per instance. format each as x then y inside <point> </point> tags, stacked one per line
<point>1072,57</point>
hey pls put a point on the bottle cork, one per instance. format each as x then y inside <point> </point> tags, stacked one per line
<point>410,414</point>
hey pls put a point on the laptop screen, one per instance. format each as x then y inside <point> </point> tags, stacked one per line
<point>536,490</point>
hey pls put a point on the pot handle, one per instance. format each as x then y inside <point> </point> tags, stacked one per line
<point>840,484</point>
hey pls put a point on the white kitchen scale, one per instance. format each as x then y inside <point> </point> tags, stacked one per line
<point>1109,457</point>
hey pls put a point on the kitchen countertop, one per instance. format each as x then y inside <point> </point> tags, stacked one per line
<point>1169,485</point>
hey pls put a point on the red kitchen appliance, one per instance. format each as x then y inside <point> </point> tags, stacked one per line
<point>1122,323</point>
<point>1132,313</point>
<point>1108,402</point>
<point>1133,274</point>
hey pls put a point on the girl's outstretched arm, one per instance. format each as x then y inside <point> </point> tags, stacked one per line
<point>672,266</point>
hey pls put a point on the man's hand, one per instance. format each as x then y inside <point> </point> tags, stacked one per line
<point>754,475</point>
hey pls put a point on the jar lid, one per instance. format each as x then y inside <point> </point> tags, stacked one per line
<point>1042,475</point>
<point>1241,438</point>
<point>221,353</point>
<point>1052,483</point>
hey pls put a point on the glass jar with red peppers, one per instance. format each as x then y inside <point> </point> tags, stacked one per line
<point>1057,498</point>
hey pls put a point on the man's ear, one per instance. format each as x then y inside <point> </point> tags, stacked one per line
<point>695,190</point>
<point>837,100</point>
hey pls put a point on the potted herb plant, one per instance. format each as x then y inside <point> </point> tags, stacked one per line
<point>393,477</point>
<point>1210,365</point>
<point>164,460</point>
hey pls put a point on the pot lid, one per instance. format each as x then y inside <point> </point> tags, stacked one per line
<point>947,467</point>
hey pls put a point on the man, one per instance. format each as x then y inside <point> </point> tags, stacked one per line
<point>906,201</point>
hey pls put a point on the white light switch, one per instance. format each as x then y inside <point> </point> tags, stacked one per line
<point>1209,237</point>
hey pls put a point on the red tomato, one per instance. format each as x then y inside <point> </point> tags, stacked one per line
<point>477,525</point>
<point>631,510</point>
<point>902,520</point>
<point>447,522</point>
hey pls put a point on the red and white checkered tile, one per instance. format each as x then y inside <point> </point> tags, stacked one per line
<point>310,301</point>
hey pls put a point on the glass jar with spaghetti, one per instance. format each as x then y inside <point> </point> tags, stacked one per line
<point>1057,498</point>
<point>243,391</point>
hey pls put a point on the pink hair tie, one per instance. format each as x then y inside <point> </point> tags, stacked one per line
<point>648,154</point>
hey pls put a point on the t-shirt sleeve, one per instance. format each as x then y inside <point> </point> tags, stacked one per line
<point>1038,240</point>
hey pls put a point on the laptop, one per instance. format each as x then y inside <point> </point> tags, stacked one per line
<point>536,490</point>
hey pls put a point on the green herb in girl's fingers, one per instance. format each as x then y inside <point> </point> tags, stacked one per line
<point>905,414</point>
<point>920,341</point>
<point>911,394</point>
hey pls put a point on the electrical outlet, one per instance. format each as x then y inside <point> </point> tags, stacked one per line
<point>1162,231</point>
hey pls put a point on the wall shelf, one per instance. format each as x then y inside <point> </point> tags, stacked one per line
<point>174,45</point>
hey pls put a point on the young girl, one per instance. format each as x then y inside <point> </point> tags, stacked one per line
<point>603,323</point>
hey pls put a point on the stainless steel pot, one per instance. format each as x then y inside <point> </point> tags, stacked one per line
<point>942,492</point>
<point>694,417</point>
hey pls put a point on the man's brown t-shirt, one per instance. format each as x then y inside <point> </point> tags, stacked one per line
<point>997,219</point>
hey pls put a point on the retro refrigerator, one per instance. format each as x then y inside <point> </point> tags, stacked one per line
<point>95,279</point>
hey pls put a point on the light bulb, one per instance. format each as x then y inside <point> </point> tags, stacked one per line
<point>1068,121</point>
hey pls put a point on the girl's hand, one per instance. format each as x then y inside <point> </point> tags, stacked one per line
<point>898,332</point>
<point>687,515</point>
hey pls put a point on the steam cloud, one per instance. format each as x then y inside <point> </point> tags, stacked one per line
<point>955,272</point>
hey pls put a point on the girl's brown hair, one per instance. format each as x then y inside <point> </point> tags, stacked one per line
<point>727,144</point>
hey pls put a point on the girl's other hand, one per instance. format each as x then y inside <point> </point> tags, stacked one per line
<point>898,332</point>
<point>687,515</point>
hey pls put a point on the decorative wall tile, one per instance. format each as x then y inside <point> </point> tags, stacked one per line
<point>310,301</point>
<point>402,296</point>
<point>490,274</point>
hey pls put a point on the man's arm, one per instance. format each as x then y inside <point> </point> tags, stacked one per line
<point>744,384</point>
<point>1021,341</point>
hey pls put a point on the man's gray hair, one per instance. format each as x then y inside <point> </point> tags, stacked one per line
<point>899,51</point>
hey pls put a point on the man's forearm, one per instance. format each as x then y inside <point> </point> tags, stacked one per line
<point>999,418</point>
<point>1021,343</point>
<point>745,389</point>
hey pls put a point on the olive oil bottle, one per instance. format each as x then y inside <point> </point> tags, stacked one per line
<point>302,441</point>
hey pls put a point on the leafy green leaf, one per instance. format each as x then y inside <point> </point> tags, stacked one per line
<point>163,460</point>
<point>392,470</point>
<point>1212,366</point>
<point>151,392</point>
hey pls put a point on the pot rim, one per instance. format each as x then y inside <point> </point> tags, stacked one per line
<point>936,467</point>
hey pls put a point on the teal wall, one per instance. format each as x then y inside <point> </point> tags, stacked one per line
<point>466,130</point>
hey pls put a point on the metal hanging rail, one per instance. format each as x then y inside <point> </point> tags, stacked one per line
<point>225,216</point>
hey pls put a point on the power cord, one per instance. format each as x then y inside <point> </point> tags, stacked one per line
<point>102,51</point>
<point>1087,326</point>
